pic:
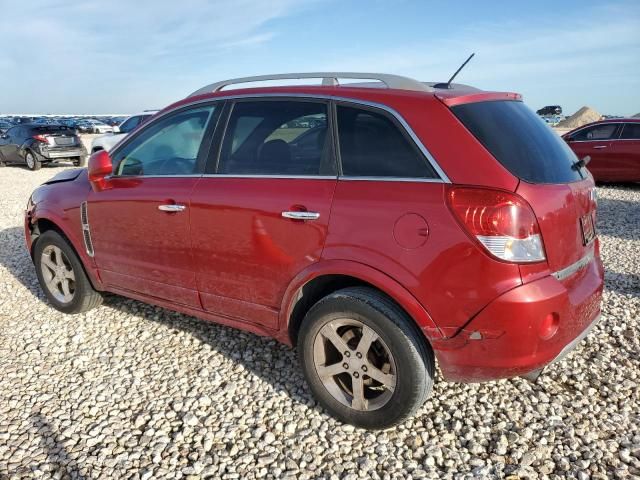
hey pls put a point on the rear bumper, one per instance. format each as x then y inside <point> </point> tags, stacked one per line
<point>508,337</point>
<point>54,154</point>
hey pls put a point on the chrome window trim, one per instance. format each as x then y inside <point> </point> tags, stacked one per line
<point>432,161</point>
<point>390,179</point>
<point>303,177</point>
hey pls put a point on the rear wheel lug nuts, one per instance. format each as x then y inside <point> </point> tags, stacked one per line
<point>356,374</point>
<point>347,353</point>
<point>359,355</point>
<point>345,366</point>
<point>364,368</point>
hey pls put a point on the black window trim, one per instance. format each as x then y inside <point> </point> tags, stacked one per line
<point>205,146</point>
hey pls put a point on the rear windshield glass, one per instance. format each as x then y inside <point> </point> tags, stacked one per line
<point>53,129</point>
<point>520,141</point>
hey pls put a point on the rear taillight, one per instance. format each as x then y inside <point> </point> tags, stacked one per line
<point>41,138</point>
<point>502,222</point>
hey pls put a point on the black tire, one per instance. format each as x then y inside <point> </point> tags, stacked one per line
<point>412,356</point>
<point>32,161</point>
<point>81,162</point>
<point>85,297</point>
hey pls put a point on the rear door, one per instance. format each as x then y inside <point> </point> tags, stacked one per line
<point>596,142</point>
<point>261,216</point>
<point>625,153</point>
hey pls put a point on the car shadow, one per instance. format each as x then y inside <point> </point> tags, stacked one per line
<point>281,370</point>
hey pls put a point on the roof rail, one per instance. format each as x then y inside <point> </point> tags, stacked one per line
<point>329,79</point>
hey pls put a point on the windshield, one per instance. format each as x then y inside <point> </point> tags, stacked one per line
<point>520,141</point>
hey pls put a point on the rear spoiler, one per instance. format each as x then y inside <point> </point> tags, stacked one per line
<point>452,101</point>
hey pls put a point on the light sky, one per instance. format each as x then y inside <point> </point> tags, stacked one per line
<point>122,56</point>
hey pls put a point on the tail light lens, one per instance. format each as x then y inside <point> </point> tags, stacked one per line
<point>502,222</point>
<point>41,138</point>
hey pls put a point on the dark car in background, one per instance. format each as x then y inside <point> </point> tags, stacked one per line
<point>614,148</point>
<point>5,125</point>
<point>550,110</point>
<point>34,145</point>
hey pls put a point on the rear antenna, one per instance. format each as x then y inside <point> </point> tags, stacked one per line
<point>448,84</point>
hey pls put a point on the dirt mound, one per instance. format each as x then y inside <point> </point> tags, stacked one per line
<point>581,117</point>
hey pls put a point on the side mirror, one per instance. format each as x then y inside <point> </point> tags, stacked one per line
<point>100,166</point>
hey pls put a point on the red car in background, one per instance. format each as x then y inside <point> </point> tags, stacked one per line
<point>614,148</point>
<point>380,230</point>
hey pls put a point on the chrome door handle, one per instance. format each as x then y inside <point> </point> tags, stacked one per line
<point>301,215</point>
<point>173,208</point>
<point>600,146</point>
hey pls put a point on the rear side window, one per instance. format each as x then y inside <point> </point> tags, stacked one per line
<point>280,137</point>
<point>372,145</point>
<point>631,131</point>
<point>519,140</point>
<point>597,132</point>
<point>130,124</point>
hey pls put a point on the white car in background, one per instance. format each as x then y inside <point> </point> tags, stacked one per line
<point>108,141</point>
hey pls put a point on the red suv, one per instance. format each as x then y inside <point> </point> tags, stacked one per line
<point>614,148</point>
<point>381,230</point>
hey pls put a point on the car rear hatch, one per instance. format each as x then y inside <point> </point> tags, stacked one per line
<point>560,192</point>
<point>58,136</point>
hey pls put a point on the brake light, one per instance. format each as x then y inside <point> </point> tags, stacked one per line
<point>502,222</point>
<point>40,138</point>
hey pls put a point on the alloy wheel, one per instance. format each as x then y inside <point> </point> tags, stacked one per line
<point>354,364</point>
<point>58,273</point>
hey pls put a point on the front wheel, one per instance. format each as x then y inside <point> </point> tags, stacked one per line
<point>364,359</point>
<point>62,276</point>
<point>32,162</point>
<point>80,162</point>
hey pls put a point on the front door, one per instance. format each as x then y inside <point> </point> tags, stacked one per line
<point>595,142</point>
<point>140,223</point>
<point>262,217</point>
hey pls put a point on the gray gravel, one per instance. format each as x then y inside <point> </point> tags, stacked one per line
<point>134,391</point>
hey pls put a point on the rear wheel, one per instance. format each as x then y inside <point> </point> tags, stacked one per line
<point>62,276</point>
<point>32,162</point>
<point>364,359</point>
<point>80,162</point>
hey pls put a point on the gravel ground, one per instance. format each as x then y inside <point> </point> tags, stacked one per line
<point>134,391</point>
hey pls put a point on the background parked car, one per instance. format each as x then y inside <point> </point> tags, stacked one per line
<point>93,126</point>
<point>614,148</point>
<point>34,145</point>
<point>4,126</point>
<point>550,110</point>
<point>109,140</point>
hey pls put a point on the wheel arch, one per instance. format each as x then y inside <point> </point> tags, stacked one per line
<point>44,222</point>
<point>324,278</point>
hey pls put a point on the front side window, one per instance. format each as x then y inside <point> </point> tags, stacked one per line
<point>130,124</point>
<point>372,145</point>
<point>167,147</point>
<point>281,137</point>
<point>597,132</point>
<point>631,131</point>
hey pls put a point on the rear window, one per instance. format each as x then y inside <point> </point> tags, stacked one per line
<point>53,129</point>
<point>520,141</point>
